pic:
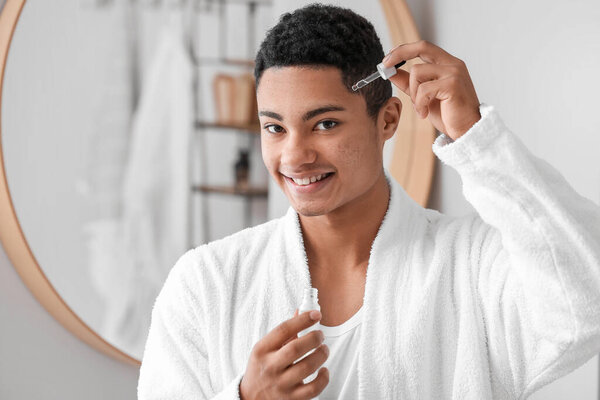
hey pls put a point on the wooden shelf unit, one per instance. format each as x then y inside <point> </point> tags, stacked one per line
<point>248,128</point>
<point>233,190</point>
<point>240,62</point>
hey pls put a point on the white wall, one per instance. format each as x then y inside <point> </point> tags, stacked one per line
<point>39,359</point>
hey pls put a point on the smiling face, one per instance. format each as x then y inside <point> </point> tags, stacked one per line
<point>318,142</point>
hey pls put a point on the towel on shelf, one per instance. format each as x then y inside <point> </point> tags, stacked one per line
<point>107,147</point>
<point>492,305</point>
<point>153,230</point>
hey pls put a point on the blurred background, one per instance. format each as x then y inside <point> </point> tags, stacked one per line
<point>109,103</point>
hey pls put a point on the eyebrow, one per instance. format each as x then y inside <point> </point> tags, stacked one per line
<point>309,114</point>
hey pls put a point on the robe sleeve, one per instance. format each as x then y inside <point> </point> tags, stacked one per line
<point>535,257</point>
<point>175,362</point>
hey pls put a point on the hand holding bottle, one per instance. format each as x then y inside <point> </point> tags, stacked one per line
<point>272,372</point>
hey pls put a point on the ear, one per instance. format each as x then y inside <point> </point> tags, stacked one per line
<point>389,118</point>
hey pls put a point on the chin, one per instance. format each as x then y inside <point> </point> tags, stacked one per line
<point>309,213</point>
<point>311,210</point>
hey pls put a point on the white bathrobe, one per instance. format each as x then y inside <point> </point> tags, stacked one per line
<point>489,306</point>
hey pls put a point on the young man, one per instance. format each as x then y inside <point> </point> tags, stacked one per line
<point>414,304</point>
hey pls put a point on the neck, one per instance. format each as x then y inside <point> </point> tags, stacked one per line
<point>341,240</point>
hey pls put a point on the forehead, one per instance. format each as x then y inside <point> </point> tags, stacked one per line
<point>298,88</point>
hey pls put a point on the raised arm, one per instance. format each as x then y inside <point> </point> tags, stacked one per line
<point>537,248</point>
<point>537,253</point>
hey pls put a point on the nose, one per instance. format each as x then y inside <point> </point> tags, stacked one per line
<point>297,151</point>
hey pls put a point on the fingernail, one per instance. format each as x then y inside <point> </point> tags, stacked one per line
<point>315,315</point>
<point>326,349</point>
<point>394,48</point>
<point>386,58</point>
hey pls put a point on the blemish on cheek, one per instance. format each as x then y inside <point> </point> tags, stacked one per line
<point>350,154</point>
<point>359,153</point>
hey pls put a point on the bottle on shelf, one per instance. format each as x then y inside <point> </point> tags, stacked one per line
<point>242,170</point>
<point>235,99</point>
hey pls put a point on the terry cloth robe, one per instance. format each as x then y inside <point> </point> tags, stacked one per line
<point>493,305</point>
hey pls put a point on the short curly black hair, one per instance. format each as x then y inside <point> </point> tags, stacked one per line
<point>325,35</point>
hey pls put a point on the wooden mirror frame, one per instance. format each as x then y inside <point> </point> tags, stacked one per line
<point>412,166</point>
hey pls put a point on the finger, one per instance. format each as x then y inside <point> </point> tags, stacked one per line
<point>426,51</point>
<point>314,388</point>
<point>401,80</point>
<point>293,336</point>
<point>275,339</point>
<point>295,350</point>
<point>429,91</point>
<point>421,73</point>
<point>299,371</point>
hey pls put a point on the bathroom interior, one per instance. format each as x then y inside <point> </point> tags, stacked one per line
<point>129,134</point>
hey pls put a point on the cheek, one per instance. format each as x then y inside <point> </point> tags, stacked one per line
<point>356,153</point>
<point>349,155</point>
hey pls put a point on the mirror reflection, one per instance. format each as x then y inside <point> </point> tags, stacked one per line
<point>117,175</point>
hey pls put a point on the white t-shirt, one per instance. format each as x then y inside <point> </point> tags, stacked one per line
<point>342,362</point>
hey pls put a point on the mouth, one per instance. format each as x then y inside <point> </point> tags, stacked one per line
<point>308,183</point>
<point>310,179</point>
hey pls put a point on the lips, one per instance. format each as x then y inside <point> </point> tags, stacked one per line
<point>308,183</point>
<point>310,179</point>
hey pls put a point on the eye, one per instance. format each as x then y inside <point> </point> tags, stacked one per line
<point>327,124</point>
<point>267,127</point>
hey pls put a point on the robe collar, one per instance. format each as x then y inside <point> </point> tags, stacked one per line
<point>394,231</point>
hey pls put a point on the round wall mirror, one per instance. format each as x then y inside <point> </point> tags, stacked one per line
<point>109,109</point>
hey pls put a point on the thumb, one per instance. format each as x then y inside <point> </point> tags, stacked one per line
<point>296,313</point>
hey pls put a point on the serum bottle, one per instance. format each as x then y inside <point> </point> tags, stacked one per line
<point>310,301</point>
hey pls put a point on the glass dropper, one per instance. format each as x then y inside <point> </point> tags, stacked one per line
<point>382,72</point>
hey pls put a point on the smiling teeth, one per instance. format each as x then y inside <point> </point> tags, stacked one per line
<point>307,181</point>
